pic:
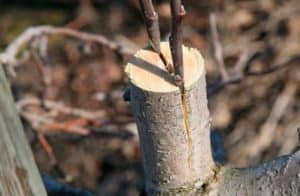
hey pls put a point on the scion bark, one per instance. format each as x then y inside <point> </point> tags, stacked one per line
<point>18,172</point>
<point>178,12</point>
<point>152,25</point>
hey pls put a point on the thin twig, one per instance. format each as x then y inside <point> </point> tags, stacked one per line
<point>41,68</point>
<point>152,25</point>
<point>47,147</point>
<point>46,121</point>
<point>77,126</point>
<point>44,124</point>
<point>60,107</point>
<point>218,52</point>
<point>178,12</point>
<point>9,56</point>
<point>239,76</point>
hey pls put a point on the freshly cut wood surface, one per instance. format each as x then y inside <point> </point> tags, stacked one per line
<point>148,72</point>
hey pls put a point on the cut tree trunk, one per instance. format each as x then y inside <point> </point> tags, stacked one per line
<point>19,175</point>
<point>174,128</point>
<point>174,132</point>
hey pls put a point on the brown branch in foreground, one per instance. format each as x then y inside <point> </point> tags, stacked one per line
<point>178,12</point>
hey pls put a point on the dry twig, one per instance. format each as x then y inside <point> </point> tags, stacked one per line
<point>47,147</point>
<point>44,73</point>
<point>152,25</point>
<point>46,121</point>
<point>178,12</point>
<point>61,108</point>
<point>9,56</point>
<point>238,74</point>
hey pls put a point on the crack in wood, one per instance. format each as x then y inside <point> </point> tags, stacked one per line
<point>186,127</point>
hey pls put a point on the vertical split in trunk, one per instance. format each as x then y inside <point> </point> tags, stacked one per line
<point>174,128</point>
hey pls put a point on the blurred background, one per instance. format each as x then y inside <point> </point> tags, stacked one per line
<point>69,95</point>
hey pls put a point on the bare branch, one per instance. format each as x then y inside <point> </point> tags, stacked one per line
<point>152,25</point>
<point>151,20</point>
<point>218,53</point>
<point>178,12</point>
<point>47,147</point>
<point>9,56</point>
<point>43,71</point>
<point>60,107</point>
<point>267,131</point>
<point>240,74</point>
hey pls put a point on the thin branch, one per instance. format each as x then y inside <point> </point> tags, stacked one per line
<point>75,126</point>
<point>61,108</point>
<point>44,124</point>
<point>241,74</point>
<point>152,25</point>
<point>218,52</point>
<point>44,73</point>
<point>178,12</point>
<point>9,56</point>
<point>46,120</point>
<point>47,148</point>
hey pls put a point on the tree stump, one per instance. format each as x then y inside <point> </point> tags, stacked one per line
<point>174,127</point>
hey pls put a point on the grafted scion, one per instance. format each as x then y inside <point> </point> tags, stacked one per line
<point>178,12</point>
<point>151,20</point>
<point>152,25</point>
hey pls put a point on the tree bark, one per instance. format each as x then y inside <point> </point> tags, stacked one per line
<point>18,172</point>
<point>278,177</point>
<point>174,131</point>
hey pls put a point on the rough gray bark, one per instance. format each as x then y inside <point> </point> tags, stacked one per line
<point>174,136</point>
<point>152,24</point>
<point>18,173</point>
<point>173,128</point>
<point>278,177</point>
